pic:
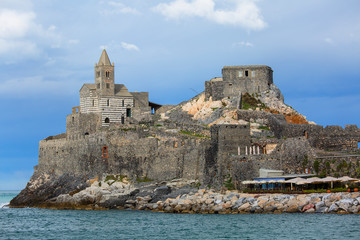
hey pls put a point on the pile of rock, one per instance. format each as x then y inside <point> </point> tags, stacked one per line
<point>207,201</point>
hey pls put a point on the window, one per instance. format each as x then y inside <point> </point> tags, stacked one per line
<point>93,102</point>
<point>105,152</point>
<point>73,119</point>
<point>128,112</point>
<point>122,103</point>
<point>246,73</point>
<point>98,74</point>
<point>98,85</point>
<point>240,73</point>
<point>134,103</point>
<point>253,74</point>
<point>122,120</point>
<point>108,102</point>
<point>108,85</point>
<point>107,74</point>
<point>107,120</point>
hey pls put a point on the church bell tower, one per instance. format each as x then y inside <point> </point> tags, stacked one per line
<point>104,76</point>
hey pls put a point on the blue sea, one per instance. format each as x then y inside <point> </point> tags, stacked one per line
<point>32,223</point>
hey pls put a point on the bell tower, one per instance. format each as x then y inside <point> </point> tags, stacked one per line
<point>104,76</point>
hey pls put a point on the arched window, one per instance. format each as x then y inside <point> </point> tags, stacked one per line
<point>108,102</point>
<point>122,103</point>
<point>107,120</point>
<point>107,74</point>
<point>105,152</point>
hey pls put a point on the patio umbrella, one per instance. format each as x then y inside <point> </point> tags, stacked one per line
<point>313,180</point>
<point>294,180</point>
<point>331,180</point>
<point>348,179</point>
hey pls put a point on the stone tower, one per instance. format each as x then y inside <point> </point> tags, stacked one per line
<point>104,76</point>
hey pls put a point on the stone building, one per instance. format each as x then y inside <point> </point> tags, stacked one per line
<point>104,102</point>
<point>239,79</point>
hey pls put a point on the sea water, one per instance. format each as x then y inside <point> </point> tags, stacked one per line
<point>32,223</point>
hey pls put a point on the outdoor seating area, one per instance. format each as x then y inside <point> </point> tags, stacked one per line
<point>303,185</point>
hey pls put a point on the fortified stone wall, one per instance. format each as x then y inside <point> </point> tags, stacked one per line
<point>136,153</point>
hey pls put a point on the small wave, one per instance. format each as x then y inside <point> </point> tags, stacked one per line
<point>4,205</point>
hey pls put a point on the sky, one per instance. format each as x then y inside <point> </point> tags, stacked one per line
<point>169,48</point>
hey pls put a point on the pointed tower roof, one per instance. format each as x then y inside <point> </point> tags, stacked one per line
<point>104,59</point>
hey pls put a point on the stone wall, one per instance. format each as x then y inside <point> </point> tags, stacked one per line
<point>135,152</point>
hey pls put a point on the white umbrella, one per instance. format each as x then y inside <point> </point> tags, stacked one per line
<point>348,179</point>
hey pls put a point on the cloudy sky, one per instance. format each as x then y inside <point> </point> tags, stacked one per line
<point>48,49</point>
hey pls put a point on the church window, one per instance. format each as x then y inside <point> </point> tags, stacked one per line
<point>128,112</point>
<point>240,73</point>
<point>253,74</point>
<point>122,103</point>
<point>98,74</point>
<point>98,85</point>
<point>108,85</point>
<point>108,102</point>
<point>122,120</point>
<point>105,152</point>
<point>107,120</point>
<point>93,102</point>
<point>246,73</point>
<point>107,74</point>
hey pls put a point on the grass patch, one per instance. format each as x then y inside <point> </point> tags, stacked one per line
<point>266,128</point>
<point>250,102</point>
<point>193,134</point>
<point>127,129</point>
<point>144,179</point>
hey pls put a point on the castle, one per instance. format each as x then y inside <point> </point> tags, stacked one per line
<point>115,131</point>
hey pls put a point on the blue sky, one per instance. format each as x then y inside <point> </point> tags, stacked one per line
<point>169,48</point>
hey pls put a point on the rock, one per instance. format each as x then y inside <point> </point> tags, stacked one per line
<point>333,208</point>
<point>163,190</point>
<point>292,208</point>
<point>245,207</point>
<point>307,207</point>
<point>311,210</point>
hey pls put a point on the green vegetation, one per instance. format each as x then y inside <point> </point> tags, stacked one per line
<point>250,102</point>
<point>228,184</point>
<point>144,179</point>
<point>214,108</point>
<point>266,128</point>
<point>194,134</point>
<point>224,104</point>
<point>127,129</point>
<point>316,166</point>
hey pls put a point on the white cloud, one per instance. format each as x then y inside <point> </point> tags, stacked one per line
<point>21,36</point>
<point>245,13</point>
<point>129,46</point>
<point>243,44</point>
<point>114,8</point>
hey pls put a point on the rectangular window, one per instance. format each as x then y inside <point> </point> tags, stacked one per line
<point>98,74</point>
<point>98,85</point>
<point>253,74</point>
<point>105,152</point>
<point>246,73</point>
<point>122,103</point>
<point>240,73</point>
<point>108,85</point>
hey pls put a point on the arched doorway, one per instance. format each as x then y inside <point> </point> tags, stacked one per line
<point>107,120</point>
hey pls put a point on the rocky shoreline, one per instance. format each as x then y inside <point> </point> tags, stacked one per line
<point>182,196</point>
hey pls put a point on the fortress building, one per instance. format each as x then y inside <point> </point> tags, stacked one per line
<point>239,79</point>
<point>104,102</point>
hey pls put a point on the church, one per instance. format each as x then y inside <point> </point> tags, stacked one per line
<point>103,102</point>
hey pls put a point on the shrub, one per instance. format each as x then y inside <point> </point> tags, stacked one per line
<point>316,166</point>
